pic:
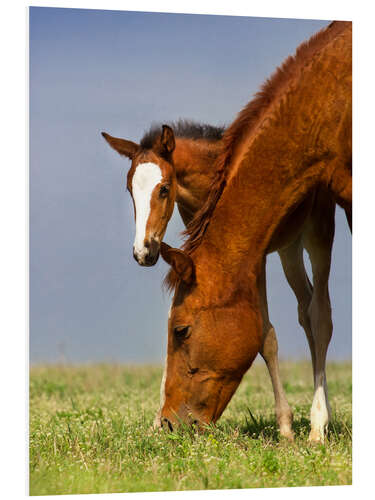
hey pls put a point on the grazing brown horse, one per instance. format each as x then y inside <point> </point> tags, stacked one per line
<point>196,147</point>
<point>286,148</point>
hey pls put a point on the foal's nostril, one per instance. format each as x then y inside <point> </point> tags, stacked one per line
<point>151,259</point>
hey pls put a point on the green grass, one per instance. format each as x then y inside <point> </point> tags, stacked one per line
<point>90,432</point>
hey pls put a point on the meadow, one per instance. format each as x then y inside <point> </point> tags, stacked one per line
<point>90,432</point>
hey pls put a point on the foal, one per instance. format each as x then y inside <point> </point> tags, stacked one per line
<point>185,160</point>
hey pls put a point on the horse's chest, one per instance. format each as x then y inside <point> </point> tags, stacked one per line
<point>291,226</point>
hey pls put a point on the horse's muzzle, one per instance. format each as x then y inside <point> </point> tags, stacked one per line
<point>149,254</point>
<point>169,423</point>
<point>166,424</point>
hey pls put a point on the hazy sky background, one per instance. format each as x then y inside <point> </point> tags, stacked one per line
<point>94,70</point>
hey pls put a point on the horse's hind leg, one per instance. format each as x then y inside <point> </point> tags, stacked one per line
<point>314,310</point>
<point>318,240</point>
<point>269,352</point>
<point>348,213</point>
<point>295,273</point>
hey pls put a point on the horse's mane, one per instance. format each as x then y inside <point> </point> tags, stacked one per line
<point>188,129</point>
<point>245,122</point>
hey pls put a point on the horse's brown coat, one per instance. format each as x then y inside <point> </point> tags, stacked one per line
<point>309,224</point>
<point>294,141</point>
<point>278,101</point>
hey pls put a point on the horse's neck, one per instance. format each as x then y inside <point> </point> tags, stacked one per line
<point>295,147</point>
<point>252,216</point>
<point>194,164</point>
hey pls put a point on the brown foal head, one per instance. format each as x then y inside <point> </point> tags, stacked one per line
<point>213,338</point>
<point>152,184</point>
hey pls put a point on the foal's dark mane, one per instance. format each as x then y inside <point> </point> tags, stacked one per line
<point>245,122</point>
<point>188,129</point>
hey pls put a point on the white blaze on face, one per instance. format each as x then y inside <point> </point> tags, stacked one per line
<point>145,178</point>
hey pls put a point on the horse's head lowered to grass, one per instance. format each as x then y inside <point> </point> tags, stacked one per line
<point>151,182</point>
<point>283,146</point>
<point>209,350</point>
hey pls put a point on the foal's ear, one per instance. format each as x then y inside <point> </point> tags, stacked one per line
<point>122,146</point>
<point>180,261</point>
<point>167,141</point>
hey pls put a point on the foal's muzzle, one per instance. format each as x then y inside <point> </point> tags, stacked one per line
<point>149,254</point>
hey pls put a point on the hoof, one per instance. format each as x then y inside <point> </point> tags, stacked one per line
<point>285,426</point>
<point>287,434</point>
<point>316,436</point>
<point>157,422</point>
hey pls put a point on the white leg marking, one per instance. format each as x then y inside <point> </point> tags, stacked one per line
<point>162,386</point>
<point>319,415</point>
<point>145,178</point>
<point>157,423</point>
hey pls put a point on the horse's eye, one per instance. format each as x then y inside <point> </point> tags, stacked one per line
<point>182,332</point>
<point>164,190</point>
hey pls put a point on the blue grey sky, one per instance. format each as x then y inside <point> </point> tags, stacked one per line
<point>94,70</point>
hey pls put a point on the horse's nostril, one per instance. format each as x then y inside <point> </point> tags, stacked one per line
<point>147,244</point>
<point>165,421</point>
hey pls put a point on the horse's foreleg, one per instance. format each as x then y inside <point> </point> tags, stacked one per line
<point>269,352</point>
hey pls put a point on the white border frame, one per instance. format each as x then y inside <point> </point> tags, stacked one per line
<point>14,229</point>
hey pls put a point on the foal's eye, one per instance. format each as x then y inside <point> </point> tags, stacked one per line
<point>182,332</point>
<point>164,190</point>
